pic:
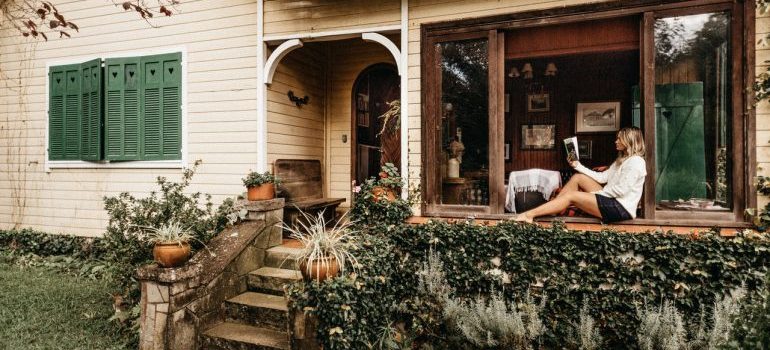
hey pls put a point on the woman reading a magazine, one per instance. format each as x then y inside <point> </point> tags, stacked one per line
<point>610,195</point>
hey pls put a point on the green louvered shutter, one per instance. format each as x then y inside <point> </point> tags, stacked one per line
<point>64,113</point>
<point>57,89</point>
<point>91,117</point>
<point>161,106</point>
<point>122,119</point>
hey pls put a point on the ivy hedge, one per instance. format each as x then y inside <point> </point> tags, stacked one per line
<point>613,273</point>
<point>27,241</point>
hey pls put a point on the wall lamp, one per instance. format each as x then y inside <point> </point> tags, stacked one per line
<point>299,101</point>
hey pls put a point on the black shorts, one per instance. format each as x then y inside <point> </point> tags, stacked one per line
<point>611,209</point>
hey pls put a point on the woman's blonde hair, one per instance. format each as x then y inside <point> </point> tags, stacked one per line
<point>632,138</point>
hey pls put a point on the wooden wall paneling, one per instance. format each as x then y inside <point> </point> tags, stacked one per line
<point>581,78</point>
<point>615,34</point>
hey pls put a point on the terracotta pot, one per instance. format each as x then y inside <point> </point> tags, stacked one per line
<point>171,254</point>
<point>261,192</point>
<point>383,192</point>
<point>319,269</point>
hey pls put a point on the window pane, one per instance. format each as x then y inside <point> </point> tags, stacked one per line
<point>464,122</point>
<point>692,112</point>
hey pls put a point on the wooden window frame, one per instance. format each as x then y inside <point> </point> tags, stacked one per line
<point>431,180</point>
<point>743,114</point>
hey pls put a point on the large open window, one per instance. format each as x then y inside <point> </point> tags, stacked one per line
<point>500,95</point>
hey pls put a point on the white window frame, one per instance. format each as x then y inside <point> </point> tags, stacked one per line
<point>132,164</point>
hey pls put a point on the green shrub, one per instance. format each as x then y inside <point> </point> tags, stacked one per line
<point>125,243</point>
<point>27,241</point>
<point>612,273</point>
<point>751,327</point>
<point>378,215</point>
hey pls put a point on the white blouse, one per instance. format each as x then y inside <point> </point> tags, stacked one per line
<point>624,182</point>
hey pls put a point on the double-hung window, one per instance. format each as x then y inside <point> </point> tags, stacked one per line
<point>116,109</point>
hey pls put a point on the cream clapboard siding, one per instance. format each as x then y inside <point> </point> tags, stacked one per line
<point>763,108</point>
<point>220,42</point>
<point>291,16</point>
<point>298,132</point>
<point>350,58</point>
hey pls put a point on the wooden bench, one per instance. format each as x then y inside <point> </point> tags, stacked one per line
<point>302,188</point>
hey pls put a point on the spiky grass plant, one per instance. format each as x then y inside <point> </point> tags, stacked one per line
<point>171,232</point>
<point>319,242</point>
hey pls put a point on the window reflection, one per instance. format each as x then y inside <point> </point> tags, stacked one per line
<point>692,109</point>
<point>464,122</point>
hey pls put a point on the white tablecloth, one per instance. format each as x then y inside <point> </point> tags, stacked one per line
<point>539,180</point>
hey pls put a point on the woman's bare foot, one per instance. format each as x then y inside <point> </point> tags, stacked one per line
<point>523,217</point>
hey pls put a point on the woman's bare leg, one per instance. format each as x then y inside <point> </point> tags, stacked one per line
<point>585,201</point>
<point>580,182</point>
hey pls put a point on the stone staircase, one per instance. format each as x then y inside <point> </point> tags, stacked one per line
<point>258,319</point>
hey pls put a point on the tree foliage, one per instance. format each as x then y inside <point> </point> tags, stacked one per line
<point>39,19</point>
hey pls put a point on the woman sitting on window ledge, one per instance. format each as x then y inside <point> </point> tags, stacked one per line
<point>617,200</point>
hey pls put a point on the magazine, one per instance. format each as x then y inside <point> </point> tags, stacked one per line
<point>571,144</point>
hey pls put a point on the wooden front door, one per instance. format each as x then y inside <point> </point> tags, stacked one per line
<point>376,139</point>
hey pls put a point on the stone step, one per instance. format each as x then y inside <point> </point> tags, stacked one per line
<point>233,336</point>
<point>257,309</point>
<point>271,280</point>
<point>282,257</point>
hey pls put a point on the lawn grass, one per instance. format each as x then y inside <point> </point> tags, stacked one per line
<point>44,309</point>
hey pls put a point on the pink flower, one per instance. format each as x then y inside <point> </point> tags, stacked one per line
<point>356,189</point>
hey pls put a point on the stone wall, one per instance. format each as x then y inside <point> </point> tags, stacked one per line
<point>178,303</point>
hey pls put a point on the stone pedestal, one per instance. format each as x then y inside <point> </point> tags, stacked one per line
<point>178,303</point>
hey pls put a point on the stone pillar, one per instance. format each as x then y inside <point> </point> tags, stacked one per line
<point>270,211</point>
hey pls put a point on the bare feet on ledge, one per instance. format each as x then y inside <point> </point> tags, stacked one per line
<point>523,217</point>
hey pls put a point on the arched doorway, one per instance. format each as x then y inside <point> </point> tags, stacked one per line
<point>376,141</point>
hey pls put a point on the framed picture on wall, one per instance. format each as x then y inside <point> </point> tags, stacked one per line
<point>538,136</point>
<point>585,149</point>
<point>538,103</point>
<point>597,117</point>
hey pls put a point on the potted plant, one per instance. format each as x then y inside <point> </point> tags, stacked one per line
<point>388,184</point>
<point>172,244</point>
<point>260,186</point>
<point>325,250</point>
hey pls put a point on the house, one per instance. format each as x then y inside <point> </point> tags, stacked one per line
<point>241,83</point>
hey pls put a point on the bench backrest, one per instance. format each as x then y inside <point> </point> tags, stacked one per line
<point>300,179</point>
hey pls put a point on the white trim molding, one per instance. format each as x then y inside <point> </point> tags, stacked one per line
<point>332,34</point>
<point>278,54</point>
<point>384,41</point>
<point>261,90</point>
<point>403,62</point>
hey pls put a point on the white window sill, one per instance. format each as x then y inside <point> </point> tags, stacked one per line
<point>143,164</point>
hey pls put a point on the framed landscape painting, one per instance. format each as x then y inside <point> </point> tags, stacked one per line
<point>597,117</point>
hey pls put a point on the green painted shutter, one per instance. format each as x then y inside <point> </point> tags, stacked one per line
<point>64,113</point>
<point>122,119</point>
<point>161,104</point>
<point>57,89</point>
<point>91,118</point>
